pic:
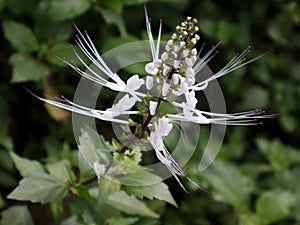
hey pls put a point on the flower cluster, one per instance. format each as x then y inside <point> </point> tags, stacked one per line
<point>175,65</point>
<point>171,73</point>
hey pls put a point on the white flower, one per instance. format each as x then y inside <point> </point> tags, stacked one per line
<point>190,104</point>
<point>151,68</point>
<point>122,106</point>
<point>175,76</point>
<point>190,72</point>
<point>134,83</point>
<point>163,127</point>
<point>183,87</point>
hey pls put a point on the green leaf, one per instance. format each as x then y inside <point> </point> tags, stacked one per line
<point>112,17</point>
<point>16,215</point>
<point>107,186</point>
<point>85,170</point>
<point>7,180</point>
<point>26,68</point>
<point>93,148</point>
<point>121,221</point>
<point>275,152</point>
<point>62,170</point>
<point>40,187</point>
<point>273,206</point>
<point>255,97</point>
<point>249,219</point>
<point>20,36</point>
<point>6,161</point>
<point>2,203</point>
<point>57,210</point>
<point>62,49</point>
<point>20,6</point>
<point>230,185</point>
<point>70,221</point>
<point>67,9</point>
<point>146,184</point>
<point>130,205</point>
<point>26,166</point>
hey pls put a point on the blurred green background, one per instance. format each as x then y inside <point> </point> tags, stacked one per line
<point>256,177</point>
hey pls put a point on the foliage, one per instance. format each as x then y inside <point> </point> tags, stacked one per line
<point>255,179</point>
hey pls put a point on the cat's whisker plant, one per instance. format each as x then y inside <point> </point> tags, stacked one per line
<point>173,75</point>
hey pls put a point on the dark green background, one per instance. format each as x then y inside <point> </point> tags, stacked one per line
<point>255,179</point>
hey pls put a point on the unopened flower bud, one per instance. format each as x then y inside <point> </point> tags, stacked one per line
<point>166,70</point>
<point>149,82</point>
<point>176,64</point>
<point>175,78</point>
<point>157,62</point>
<point>190,72</point>
<point>164,56</point>
<point>165,89</point>
<point>188,62</point>
<point>182,44</point>
<point>152,107</point>
<point>185,53</point>
<point>194,51</point>
<point>170,42</point>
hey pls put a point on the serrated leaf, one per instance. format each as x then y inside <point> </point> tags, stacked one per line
<point>26,68</point>
<point>130,205</point>
<point>67,9</point>
<point>40,187</point>
<point>20,36</point>
<point>26,166</point>
<point>146,184</point>
<point>85,170</point>
<point>93,148</point>
<point>62,170</point>
<point>107,186</point>
<point>16,215</point>
<point>230,186</point>
<point>273,206</point>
